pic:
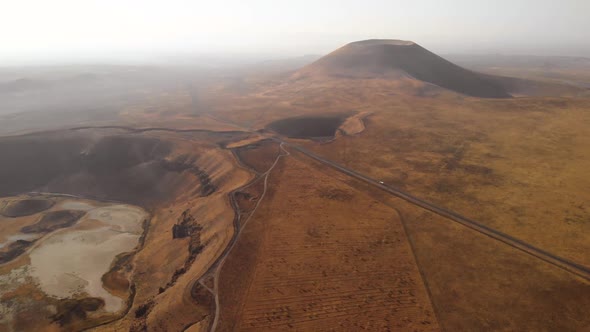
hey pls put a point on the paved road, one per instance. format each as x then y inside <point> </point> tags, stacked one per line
<point>577,269</point>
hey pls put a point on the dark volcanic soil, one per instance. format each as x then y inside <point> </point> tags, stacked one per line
<point>14,250</point>
<point>54,220</point>
<point>307,127</point>
<point>378,58</point>
<point>26,207</point>
<point>128,168</point>
<point>69,310</point>
<point>259,156</point>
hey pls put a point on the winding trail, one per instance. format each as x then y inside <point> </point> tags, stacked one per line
<point>218,265</point>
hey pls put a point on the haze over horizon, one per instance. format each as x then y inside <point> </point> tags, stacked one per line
<point>36,32</point>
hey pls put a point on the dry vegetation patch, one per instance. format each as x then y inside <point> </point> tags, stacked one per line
<point>312,259</point>
<point>517,166</point>
<point>258,156</point>
<point>54,220</point>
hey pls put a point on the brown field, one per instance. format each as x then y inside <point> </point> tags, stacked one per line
<point>517,165</point>
<point>260,156</point>
<point>320,256</point>
<point>477,283</point>
<point>469,276</point>
<point>522,172</point>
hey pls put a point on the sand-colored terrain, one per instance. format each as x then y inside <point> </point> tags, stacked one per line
<point>104,233</point>
<point>67,263</point>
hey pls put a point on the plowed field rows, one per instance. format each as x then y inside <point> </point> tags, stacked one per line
<point>318,256</point>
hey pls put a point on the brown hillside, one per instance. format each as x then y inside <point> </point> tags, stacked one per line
<point>397,59</point>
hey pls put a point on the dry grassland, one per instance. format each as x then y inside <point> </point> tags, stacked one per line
<point>479,284</point>
<point>320,256</point>
<point>518,166</point>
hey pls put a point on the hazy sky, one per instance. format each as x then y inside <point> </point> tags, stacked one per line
<point>50,29</point>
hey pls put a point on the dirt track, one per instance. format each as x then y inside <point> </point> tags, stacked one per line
<point>216,267</point>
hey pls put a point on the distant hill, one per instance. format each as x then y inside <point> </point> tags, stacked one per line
<point>398,59</point>
<point>22,84</point>
<point>520,61</point>
<point>546,75</point>
<point>28,85</point>
<point>288,63</point>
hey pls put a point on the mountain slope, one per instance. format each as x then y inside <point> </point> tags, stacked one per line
<point>397,59</point>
